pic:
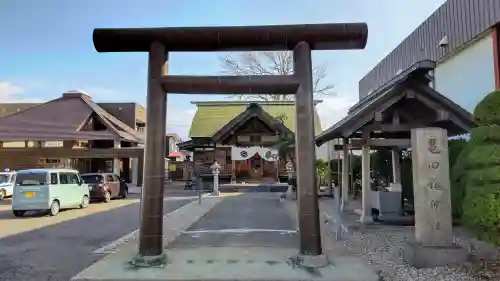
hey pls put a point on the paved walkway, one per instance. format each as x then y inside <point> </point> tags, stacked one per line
<point>249,236</point>
<point>247,220</point>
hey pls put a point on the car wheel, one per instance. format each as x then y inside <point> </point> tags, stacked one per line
<point>125,194</point>
<point>85,202</point>
<point>107,197</point>
<point>54,208</point>
<point>3,194</point>
<point>18,213</point>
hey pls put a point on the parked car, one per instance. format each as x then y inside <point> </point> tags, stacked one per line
<point>105,186</point>
<point>48,190</point>
<point>7,180</point>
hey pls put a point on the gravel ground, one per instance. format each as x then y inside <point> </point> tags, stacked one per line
<point>382,247</point>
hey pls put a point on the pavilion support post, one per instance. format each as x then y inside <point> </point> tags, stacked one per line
<point>309,227</point>
<point>366,209</point>
<point>151,225</point>
<point>233,170</point>
<point>277,166</point>
<point>140,171</point>
<point>330,168</point>
<point>135,172</point>
<point>116,161</point>
<point>396,166</point>
<point>345,174</point>
<point>395,186</point>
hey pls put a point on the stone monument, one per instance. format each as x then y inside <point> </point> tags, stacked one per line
<point>431,187</point>
<point>215,171</point>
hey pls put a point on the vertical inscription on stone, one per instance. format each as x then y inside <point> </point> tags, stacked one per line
<point>431,187</point>
<point>433,145</point>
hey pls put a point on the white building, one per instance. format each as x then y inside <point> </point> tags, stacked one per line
<point>462,37</point>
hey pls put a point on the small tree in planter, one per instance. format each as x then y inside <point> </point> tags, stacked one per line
<point>285,146</point>
<point>322,171</point>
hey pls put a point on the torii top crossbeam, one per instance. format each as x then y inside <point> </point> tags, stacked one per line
<point>333,36</point>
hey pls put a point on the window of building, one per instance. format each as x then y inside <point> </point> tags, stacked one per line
<point>35,144</point>
<point>13,144</point>
<point>53,144</point>
<point>108,166</point>
<point>173,147</point>
<point>255,138</point>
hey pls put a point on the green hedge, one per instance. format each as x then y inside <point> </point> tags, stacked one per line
<point>478,171</point>
<point>458,150</point>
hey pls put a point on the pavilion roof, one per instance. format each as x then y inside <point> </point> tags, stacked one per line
<point>410,93</point>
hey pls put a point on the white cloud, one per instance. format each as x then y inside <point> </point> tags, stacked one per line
<point>10,93</point>
<point>332,109</point>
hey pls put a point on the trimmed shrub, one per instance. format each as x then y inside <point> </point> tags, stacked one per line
<point>480,164</point>
<point>458,150</point>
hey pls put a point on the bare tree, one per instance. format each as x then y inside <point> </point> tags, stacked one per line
<point>272,63</point>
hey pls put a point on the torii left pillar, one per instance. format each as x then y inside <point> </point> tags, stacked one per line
<point>151,226</point>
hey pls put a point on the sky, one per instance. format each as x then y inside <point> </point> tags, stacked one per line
<point>46,46</point>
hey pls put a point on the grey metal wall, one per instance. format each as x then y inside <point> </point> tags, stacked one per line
<point>460,20</point>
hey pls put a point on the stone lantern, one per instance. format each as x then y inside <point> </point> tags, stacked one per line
<point>215,171</point>
<point>290,171</point>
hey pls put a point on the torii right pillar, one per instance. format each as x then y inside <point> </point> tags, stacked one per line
<point>310,234</point>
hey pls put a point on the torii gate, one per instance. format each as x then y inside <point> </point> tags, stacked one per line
<point>159,42</point>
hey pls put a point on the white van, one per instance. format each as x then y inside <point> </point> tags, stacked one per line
<point>48,190</point>
<point>7,184</point>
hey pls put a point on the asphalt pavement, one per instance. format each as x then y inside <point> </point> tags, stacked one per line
<point>244,220</point>
<point>42,248</point>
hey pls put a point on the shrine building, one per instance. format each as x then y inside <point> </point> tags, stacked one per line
<point>242,137</point>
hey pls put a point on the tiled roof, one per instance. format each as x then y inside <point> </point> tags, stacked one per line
<point>210,117</point>
<point>63,119</point>
<point>10,108</point>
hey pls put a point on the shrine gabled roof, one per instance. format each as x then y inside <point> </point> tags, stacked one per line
<point>388,96</point>
<point>253,111</point>
<point>211,116</point>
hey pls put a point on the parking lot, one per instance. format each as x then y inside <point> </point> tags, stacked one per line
<point>39,247</point>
